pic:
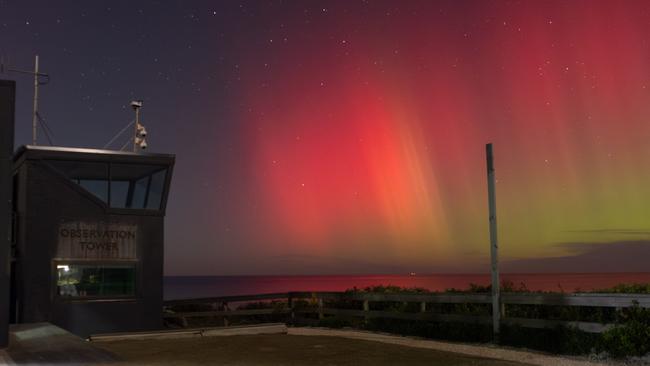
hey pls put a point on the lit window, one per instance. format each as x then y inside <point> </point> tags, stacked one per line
<point>87,280</point>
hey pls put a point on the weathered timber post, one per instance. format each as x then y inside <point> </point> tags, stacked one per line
<point>366,309</point>
<point>494,247</point>
<point>225,317</point>
<point>7,108</point>
<point>290,304</point>
<point>321,313</point>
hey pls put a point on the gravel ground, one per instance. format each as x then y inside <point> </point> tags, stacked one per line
<point>324,346</point>
<point>489,351</point>
<point>283,349</point>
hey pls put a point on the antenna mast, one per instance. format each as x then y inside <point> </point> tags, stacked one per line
<point>35,111</point>
<point>36,118</point>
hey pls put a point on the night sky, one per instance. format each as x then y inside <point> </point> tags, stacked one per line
<point>320,137</point>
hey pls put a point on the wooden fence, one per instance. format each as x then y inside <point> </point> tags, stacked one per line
<point>221,306</point>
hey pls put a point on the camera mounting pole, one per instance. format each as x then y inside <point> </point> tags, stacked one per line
<point>140,132</point>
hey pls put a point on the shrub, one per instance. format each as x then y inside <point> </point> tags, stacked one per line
<point>631,336</point>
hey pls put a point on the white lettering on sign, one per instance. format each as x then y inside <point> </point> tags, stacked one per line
<point>84,240</point>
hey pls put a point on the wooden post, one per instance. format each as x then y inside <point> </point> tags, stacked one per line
<point>366,308</point>
<point>423,307</point>
<point>494,247</point>
<point>225,318</point>
<point>321,314</point>
<point>290,304</point>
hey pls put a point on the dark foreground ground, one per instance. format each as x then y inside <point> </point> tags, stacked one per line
<point>282,350</point>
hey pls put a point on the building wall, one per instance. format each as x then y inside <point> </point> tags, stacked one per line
<point>7,105</point>
<point>49,201</point>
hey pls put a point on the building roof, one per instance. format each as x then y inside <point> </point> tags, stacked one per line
<point>29,152</point>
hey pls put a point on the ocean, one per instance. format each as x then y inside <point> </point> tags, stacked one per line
<point>211,286</point>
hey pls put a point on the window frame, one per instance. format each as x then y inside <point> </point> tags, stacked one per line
<point>149,179</point>
<point>106,205</point>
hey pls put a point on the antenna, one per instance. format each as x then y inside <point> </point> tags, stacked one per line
<point>37,82</point>
<point>139,133</point>
<point>35,111</point>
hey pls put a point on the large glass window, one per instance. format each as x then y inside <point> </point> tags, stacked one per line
<point>146,184</point>
<point>91,280</point>
<point>97,187</point>
<point>93,177</point>
<point>156,188</point>
<point>140,192</point>
<point>119,193</point>
<point>130,185</point>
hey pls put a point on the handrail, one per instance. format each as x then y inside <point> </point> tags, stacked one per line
<point>568,299</point>
<point>235,298</point>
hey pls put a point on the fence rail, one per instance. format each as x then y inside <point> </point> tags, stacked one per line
<point>220,306</point>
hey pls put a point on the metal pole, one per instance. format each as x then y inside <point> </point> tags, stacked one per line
<point>494,247</point>
<point>7,108</point>
<point>135,133</point>
<point>35,112</point>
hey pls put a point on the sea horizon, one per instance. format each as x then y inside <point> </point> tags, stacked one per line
<point>187,286</point>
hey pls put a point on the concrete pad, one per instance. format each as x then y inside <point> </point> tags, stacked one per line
<point>47,344</point>
<point>275,328</point>
<point>269,328</point>
<point>4,358</point>
<point>160,334</point>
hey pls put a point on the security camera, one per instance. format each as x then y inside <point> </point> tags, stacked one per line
<point>143,144</point>
<point>141,130</point>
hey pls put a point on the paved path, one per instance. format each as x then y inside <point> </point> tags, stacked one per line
<point>464,349</point>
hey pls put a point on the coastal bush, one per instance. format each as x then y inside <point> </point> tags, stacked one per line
<point>451,331</point>
<point>630,336</point>
<point>626,288</point>
<point>338,322</point>
<point>559,340</point>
